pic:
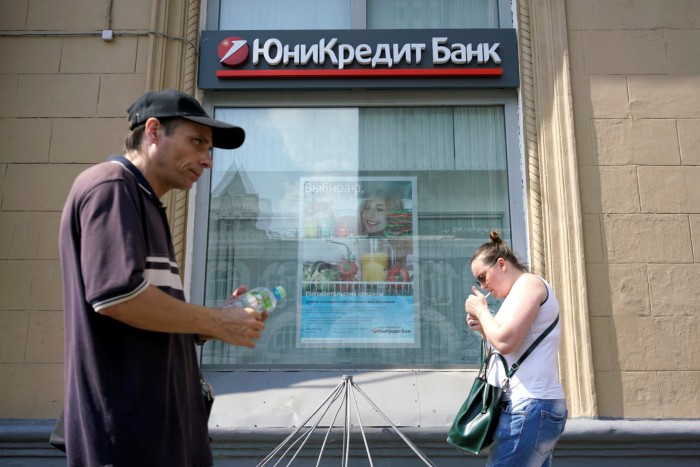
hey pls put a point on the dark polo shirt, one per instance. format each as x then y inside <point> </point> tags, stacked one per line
<point>132,396</point>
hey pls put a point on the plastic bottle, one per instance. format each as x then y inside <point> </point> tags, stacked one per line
<point>260,299</point>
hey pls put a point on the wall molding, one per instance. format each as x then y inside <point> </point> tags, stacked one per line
<point>173,64</point>
<point>556,226</point>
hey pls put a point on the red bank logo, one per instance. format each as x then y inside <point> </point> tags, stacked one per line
<point>233,51</point>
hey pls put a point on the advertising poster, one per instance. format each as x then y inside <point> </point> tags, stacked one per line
<point>358,262</point>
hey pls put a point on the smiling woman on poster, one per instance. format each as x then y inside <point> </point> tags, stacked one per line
<point>382,214</point>
<point>365,297</point>
<point>374,212</point>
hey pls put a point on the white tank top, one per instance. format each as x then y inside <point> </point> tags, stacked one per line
<point>538,376</point>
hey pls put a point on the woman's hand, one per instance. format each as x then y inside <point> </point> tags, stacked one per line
<point>475,305</point>
<point>474,324</point>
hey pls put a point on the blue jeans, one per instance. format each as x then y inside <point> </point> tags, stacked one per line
<point>527,432</point>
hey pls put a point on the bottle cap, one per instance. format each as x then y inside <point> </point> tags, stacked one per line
<point>280,292</point>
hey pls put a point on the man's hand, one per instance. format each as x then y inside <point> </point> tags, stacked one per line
<point>239,326</point>
<point>246,332</point>
<point>154,310</point>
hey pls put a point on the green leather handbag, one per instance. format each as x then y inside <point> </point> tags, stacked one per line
<point>475,423</point>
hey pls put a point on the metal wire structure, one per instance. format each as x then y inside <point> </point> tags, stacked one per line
<point>342,395</point>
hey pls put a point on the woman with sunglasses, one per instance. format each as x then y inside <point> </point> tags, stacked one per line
<point>533,408</point>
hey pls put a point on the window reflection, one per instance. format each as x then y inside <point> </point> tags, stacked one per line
<point>258,234</point>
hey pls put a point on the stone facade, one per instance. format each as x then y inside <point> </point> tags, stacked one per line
<point>63,96</point>
<point>628,83</point>
<point>636,90</point>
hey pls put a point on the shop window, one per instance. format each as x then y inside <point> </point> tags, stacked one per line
<point>287,209</point>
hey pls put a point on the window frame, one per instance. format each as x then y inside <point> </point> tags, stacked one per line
<point>198,212</point>
<point>198,207</point>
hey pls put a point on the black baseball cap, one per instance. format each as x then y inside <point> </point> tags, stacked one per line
<point>174,103</point>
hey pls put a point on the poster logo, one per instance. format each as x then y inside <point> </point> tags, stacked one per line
<point>233,51</point>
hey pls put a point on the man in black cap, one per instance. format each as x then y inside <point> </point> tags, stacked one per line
<point>132,390</point>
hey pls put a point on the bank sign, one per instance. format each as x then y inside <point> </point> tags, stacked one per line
<point>359,58</point>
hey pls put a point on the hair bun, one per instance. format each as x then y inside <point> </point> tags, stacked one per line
<point>495,237</point>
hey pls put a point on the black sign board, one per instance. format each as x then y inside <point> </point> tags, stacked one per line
<point>359,58</point>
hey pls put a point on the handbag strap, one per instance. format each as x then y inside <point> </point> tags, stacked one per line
<point>516,365</point>
<point>529,350</point>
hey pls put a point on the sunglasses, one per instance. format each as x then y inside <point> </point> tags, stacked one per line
<point>481,278</point>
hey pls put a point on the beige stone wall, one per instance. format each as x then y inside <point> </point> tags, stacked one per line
<point>62,107</point>
<point>635,68</point>
<point>635,79</point>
